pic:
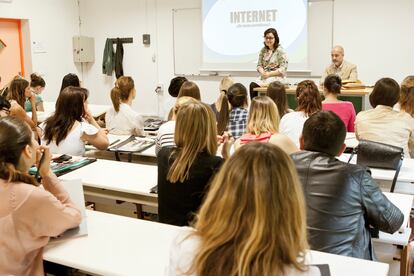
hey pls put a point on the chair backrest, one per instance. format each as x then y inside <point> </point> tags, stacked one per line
<point>379,155</point>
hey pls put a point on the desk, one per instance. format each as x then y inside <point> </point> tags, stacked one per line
<point>95,109</point>
<point>118,180</point>
<point>118,245</point>
<point>406,172</point>
<point>359,97</point>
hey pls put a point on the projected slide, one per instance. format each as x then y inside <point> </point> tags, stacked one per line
<point>233,32</point>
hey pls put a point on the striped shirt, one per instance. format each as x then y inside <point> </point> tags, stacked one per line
<point>165,136</point>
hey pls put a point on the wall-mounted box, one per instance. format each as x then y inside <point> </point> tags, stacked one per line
<point>83,49</point>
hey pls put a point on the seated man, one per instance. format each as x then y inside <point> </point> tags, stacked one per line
<point>347,71</point>
<point>343,201</point>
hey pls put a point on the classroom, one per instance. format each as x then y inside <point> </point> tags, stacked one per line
<point>206,137</point>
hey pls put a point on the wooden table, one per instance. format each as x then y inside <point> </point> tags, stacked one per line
<point>359,97</point>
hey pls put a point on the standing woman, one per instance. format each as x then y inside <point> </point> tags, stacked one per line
<point>71,126</point>
<point>29,214</point>
<point>17,93</point>
<point>185,170</point>
<point>121,119</point>
<point>253,221</point>
<point>272,63</point>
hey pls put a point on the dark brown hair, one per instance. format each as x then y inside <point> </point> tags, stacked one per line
<point>277,92</point>
<point>15,135</point>
<point>274,32</point>
<point>70,80</point>
<point>386,92</point>
<point>69,109</point>
<point>324,132</point>
<point>333,84</point>
<point>175,85</point>
<point>236,95</point>
<point>16,91</point>
<point>190,89</point>
<point>36,80</point>
<point>308,97</point>
<point>121,91</point>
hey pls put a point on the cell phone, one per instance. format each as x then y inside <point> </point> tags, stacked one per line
<point>62,158</point>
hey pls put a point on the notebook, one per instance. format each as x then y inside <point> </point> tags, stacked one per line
<point>75,190</point>
<point>133,144</point>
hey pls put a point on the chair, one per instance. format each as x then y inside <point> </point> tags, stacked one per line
<point>378,155</point>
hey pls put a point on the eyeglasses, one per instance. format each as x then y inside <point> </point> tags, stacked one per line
<point>269,37</point>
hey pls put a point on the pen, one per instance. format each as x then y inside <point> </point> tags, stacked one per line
<point>114,142</point>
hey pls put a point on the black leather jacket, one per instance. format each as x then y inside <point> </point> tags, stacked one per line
<point>342,202</point>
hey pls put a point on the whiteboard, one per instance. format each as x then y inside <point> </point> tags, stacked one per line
<point>187,41</point>
<point>187,38</point>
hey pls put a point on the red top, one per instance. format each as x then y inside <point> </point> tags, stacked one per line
<point>262,137</point>
<point>345,111</point>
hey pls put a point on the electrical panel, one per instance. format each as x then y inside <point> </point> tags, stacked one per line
<point>83,49</point>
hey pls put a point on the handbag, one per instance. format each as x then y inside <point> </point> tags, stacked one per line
<point>379,155</point>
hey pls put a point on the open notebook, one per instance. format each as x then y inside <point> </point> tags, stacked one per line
<point>75,191</point>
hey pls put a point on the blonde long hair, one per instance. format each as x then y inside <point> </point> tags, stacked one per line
<point>263,116</point>
<point>195,132</point>
<point>407,95</point>
<point>123,88</point>
<point>253,220</point>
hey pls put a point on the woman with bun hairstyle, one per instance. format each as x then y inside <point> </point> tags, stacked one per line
<point>121,119</point>
<point>345,110</point>
<point>29,214</point>
<point>37,85</point>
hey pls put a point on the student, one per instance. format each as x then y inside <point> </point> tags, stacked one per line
<point>17,93</point>
<point>251,223</point>
<point>234,121</point>
<point>263,125</point>
<point>190,89</point>
<point>70,80</point>
<point>121,119</point>
<point>343,201</point>
<point>225,83</point>
<point>165,135</point>
<point>173,90</point>
<point>71,126</point>
<point>37,85</point>
<point>277,92</point>
<point>185,170</point>
<point>345,110</point>
<point>309,102</point>
<point>4,107</point>
<point>29,214</point>
<point>406,102</point>
<point>382,123</point>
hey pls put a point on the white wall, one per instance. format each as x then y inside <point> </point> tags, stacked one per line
<point>376,35</point>
<point>53,23</point>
